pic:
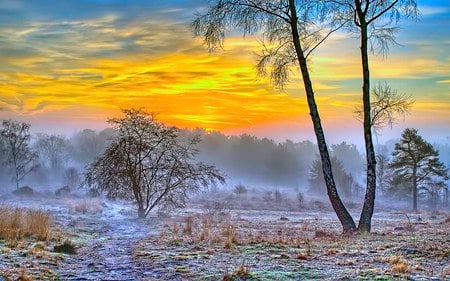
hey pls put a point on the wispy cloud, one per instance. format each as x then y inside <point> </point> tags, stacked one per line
<point>99,57</point>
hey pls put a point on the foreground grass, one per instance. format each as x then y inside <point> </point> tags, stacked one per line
<point>26,239</point>
<point>204,247</point>
<point>18,223</point>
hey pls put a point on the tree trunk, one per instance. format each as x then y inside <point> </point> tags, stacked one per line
<point>365,220</point>
<point>414,182</point>
<point>141,212</point>
<point>348,225</point>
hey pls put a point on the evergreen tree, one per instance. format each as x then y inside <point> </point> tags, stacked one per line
<point>417,163</point>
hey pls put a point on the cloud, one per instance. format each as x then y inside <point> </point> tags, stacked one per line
<point>118,54</point>
<point>433,10</point>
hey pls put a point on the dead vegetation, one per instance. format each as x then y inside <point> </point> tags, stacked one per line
<point>241,273</point>
<point>18,223</point>
<point>404,247</point>
<point>85,205</point>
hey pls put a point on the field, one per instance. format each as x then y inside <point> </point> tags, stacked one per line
<point>95,239</point>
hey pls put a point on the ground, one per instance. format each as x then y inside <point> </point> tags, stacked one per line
<point>200,243</point>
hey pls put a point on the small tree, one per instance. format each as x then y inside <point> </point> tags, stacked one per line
<point>17,153</point>
<point>240,189</point>
<point>417,162</point>
<point>386,106</point>
<point>147,162</point>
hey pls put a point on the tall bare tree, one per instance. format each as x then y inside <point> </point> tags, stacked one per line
<point>18,155</point>
<point>147,162</point>
<point>290,33</point>
<point>375,22</point>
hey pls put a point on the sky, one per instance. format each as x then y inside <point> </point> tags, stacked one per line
<point>69,65</point>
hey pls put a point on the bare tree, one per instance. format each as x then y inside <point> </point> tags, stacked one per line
<point>148,163</point>
<point>18,155</point>
<point>290,33</point>
<point>53,150</point>
<point>386,106</point>
<point>375,23</point>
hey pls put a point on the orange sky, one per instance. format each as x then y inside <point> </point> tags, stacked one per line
<point>67,74</point>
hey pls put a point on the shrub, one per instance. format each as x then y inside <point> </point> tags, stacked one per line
<point>63,191</point>
<point>240,189</point>
<point>67,248</point>
<point>85,206</point>
<point>24,191</point>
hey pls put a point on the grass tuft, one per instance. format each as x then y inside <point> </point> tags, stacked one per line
<point>17,223</point>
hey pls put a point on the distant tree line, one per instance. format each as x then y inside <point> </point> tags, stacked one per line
<point>412,169</point>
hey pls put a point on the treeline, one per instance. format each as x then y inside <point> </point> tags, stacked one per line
<point>47,161</point>
<point>56,160</point>
<point>265,163</point>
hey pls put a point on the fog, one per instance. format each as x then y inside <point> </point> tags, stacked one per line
<point>260,165</point>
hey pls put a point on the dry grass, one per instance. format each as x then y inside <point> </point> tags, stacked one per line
<point>399,264</point>
<point>241,273</point>
<point>85,206</point>
<point>17,223</point>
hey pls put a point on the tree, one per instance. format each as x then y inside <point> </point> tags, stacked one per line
<point>349,156</point>
<point>18,155</point>
<point>89,144</point>
<point>382,172</point>
<point>290,33</point>
<point>386,105</point>
<point>374,21</point>
<point>344,180</point>
<point>417,162</point>
<point>146,162</point>
<point>53,150</point>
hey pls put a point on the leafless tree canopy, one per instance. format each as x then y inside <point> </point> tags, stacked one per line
<point>386,106</point>
<point>147,162</point>
<point>380,16</point>
<point>291,30</point>
<point>53,150</point>
<point>273,20</point>
<point>17,155</point>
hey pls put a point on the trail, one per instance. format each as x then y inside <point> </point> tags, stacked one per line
<point>110,254</point>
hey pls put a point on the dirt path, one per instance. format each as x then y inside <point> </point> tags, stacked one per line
<point>108,253</point>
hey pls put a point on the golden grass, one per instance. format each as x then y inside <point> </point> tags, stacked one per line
<point>241,273</point>
<point>17,223</point>
<point>204,228</point>
<point>85,206</point>
<point>399,264</point>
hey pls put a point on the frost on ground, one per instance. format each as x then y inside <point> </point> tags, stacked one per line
<point>198,244</point>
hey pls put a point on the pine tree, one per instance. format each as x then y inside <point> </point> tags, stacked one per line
<point>417,162</point>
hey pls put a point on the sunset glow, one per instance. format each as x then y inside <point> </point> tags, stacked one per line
<point>75,64</point>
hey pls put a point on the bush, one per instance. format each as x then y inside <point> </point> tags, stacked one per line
<point>24,191</point>
<point>240,189</point>
<point>63,191</point>
<point>67,248</point>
